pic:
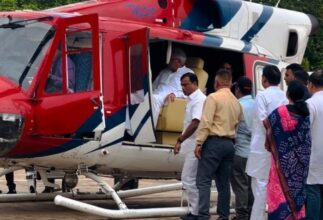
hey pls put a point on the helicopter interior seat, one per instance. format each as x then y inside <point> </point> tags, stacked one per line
<point>171,118</point>
<point>83,71</point>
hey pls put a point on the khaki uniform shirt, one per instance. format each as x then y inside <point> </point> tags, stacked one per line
<point>221,114</point>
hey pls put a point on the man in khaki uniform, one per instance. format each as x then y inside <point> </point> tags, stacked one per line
<point>215,149</point>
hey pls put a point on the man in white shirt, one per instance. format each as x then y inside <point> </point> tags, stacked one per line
<point>166,86</point>
<point>314,187</point>
<point>258,163</point>
<point>186,142</point>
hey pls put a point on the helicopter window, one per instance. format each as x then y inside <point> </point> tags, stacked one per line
<point>292,44</point>
<point>136,75</point>
<point>79,49</point>
<point>55,79</point>
<point>22,49</point>
<point>79,76</point>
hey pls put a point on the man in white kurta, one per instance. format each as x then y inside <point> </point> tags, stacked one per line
<point>167,85</point>
<point>186,142</point>
<point>314,187</point>
<point>258,163</point>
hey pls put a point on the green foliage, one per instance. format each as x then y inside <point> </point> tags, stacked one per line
<point>314,52</point>
<point>9,5</point>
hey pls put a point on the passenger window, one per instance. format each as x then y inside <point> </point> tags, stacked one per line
<point>258,75</point>
<point>292,44</point>
<point>137,73</point>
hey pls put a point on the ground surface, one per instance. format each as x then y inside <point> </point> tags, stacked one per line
<point>49,211</point>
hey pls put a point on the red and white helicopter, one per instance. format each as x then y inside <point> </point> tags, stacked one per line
<point>118,47</point>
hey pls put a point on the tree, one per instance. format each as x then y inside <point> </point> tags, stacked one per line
<point>314,51</point>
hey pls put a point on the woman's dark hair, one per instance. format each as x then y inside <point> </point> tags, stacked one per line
<point>296,91</point>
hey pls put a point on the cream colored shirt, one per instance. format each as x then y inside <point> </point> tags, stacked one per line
<point>221,114</point>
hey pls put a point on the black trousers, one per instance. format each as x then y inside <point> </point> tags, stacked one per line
<point>241,186</point>
<point>217,159</point>
<point>10,181</point>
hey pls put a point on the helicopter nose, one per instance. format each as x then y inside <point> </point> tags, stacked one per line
<point>10,130</point>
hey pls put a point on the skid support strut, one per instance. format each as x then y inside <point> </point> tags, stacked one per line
<point>123,211</point>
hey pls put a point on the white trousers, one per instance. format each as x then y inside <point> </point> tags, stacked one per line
<point>189,181</point>
<point>158,102</point>
<point>259,190</point>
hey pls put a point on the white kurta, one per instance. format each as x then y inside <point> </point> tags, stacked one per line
<point>259,158</point>
<point>315,105</point>
<point>167,82</point>
<point>258,163</point>
<point>193,111</point>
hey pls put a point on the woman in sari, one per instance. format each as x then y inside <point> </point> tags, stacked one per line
<point>289,141</point>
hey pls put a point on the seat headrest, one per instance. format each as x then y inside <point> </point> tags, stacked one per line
<point>195,62</point>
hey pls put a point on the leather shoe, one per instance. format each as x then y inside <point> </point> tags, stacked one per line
<point>12,191</point>
<point>189,216</point>
<point>48,189</point>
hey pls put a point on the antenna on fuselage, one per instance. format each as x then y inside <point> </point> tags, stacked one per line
<point>277,4</point>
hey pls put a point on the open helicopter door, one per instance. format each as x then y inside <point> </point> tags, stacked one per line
<point>254,66</point>
<point>70,106</point>
<point>139,114</point>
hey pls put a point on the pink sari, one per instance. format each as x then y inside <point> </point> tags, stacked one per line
<point>288,139</point>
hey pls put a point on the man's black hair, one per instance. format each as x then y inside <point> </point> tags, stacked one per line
<point>193,78</point>
<point>316,78</point>
<point>272,74</point>
<point>294,67</point>
<point>302,75</point>
<point>245,85</point>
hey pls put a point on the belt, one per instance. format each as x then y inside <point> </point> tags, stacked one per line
<point>221,137</point>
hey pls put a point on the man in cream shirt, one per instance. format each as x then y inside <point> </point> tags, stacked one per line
<point>214,145</point>
<point>314,187</point>
<point>258,163</point>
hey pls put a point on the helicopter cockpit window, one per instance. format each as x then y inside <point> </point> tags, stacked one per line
<point>79,50</point>
<point>23,47</point>
<point>79,75</point>
<point>55,80</point>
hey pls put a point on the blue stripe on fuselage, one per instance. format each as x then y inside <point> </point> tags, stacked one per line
<point>247,47</point>
<point>208,15</point>
<point>91,123</point>
<point>212,41</point>
<point>55,150</point>
<point>140,126</point>
<point>94,120</point>
<point>259,24</point>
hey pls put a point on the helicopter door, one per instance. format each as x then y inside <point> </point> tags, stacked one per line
<point>139,115</point>
<point>254,66</point>
<point>68,101</point>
